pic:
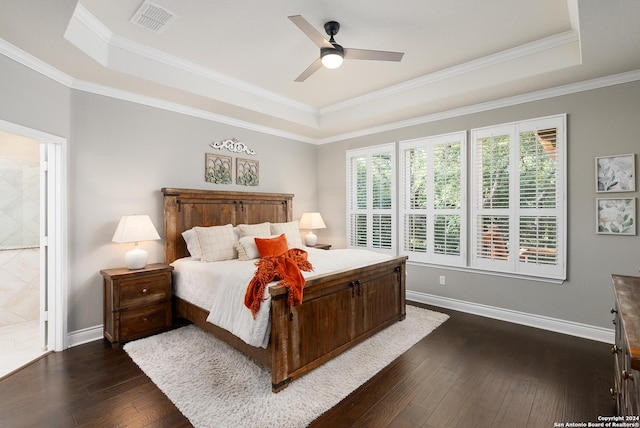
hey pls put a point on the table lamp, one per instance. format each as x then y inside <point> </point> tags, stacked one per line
<point>311,221</point>
<point>135,228</point>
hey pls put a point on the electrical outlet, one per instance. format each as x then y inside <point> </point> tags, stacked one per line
<point>442,280</point>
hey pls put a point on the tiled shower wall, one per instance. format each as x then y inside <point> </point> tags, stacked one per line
<point>19,230</point>
<point>19,202</point>
<point>19,286</point>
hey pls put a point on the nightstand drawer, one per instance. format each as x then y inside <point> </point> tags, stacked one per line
<point>143,322</point>
<point>145,291</point>
<point>137,303</point>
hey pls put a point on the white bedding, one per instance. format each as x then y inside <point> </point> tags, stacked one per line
<point>220,288</point>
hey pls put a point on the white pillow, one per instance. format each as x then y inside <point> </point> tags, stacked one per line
<point>291,230</point>
<point>247,248</point>
<point>216,243</point>
<point>261,230</point>
<point>193,245</point>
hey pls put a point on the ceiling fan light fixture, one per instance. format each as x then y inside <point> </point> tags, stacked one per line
<point>332,57</point>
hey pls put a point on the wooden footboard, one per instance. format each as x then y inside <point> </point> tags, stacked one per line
<point>338,312</point>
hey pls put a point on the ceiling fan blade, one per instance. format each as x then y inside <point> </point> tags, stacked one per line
<point>315,66</point>
<point>372,55</point>
<point>315,36</point>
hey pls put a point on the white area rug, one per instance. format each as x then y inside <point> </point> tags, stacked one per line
<point>214,385</point>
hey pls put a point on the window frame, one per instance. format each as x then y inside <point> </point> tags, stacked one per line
<point>514,212</point>
<point>369,211</point>
<point>429,144</point>
<point>540,269</point>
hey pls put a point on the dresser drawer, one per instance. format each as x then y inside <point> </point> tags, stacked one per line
<point>626,379</point>
<point>145,291</point>
<point>137,323</point>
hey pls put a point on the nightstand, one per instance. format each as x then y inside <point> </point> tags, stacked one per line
<point>137,303</point>
<point>321,246</point>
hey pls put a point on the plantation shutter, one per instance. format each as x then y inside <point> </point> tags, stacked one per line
<point>371,198</point>
<point>433,191</point>
<point>518,199</point>
<point>357,202</point>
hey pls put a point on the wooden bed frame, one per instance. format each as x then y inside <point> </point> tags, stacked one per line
<point>339,310</point>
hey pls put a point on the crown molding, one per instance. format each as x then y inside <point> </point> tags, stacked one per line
<point>114,42</point>
<point>127,56</point>
<point>467,67</point>
<point>46,70</point>
<point>39,66</point>
<point>186,110</point>
<point>544,94</point>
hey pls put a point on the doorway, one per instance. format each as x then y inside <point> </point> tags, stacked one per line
<point>31,268</point>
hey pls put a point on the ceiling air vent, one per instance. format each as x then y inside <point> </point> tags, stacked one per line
<point>153,17</point>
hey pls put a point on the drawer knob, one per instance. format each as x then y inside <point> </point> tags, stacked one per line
<point>615,349</point>
<point>614,311</point>
<point>626,375</point>
<point>144,291</point>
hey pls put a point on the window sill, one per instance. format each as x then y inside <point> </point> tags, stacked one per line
<point>489,272</point>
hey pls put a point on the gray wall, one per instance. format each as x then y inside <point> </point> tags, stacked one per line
<point>121,154</point>
<point>32,100</point>
<point>600,122</point>
<point>124,153</point>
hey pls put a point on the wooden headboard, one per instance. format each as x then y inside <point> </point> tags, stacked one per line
<point>186,208</point>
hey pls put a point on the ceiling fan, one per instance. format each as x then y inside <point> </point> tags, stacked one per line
<point>331,53</point>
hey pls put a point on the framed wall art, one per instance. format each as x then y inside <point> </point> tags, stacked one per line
<point>616,173</point>
<point>616,216</point>
<point>217,169</point>
<point>247,172</point>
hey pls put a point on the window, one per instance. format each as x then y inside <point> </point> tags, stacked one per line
<point>432,199</point>
<point>510,221</point>
<point>371,217</point>
<point>518,198</point>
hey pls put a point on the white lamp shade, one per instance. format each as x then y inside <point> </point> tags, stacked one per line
<point>135,228</point>
<point>311,221</point>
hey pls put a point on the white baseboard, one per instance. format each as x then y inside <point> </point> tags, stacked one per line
<point>599,334</point>
<point>85,335</point>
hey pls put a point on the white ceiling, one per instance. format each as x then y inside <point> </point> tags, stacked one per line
<point>238,59</point>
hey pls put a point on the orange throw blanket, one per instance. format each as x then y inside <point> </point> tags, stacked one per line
<point>285,268</point>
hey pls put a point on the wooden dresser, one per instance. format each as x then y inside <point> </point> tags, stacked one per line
<point>626,349</point>
<point>137,303</point>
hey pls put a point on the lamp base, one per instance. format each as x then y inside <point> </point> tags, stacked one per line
<point>310,239</point>
<point>136,258</point>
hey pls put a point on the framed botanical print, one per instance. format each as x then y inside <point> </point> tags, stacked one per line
<point>217,169</point>
<point>616,173</point>
<point>616,216</point>
<point>247,172</point>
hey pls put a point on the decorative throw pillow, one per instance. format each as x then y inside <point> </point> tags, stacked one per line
<point>262,230</point>
<point>291,231</point>
<point>270,247</point>
<point>247,249</point>
<point>193,245</point>
<point>216,243</point>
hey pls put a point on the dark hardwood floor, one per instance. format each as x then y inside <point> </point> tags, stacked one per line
<point>470,372</point>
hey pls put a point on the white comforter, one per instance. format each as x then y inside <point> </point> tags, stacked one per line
<point>220,287</point>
